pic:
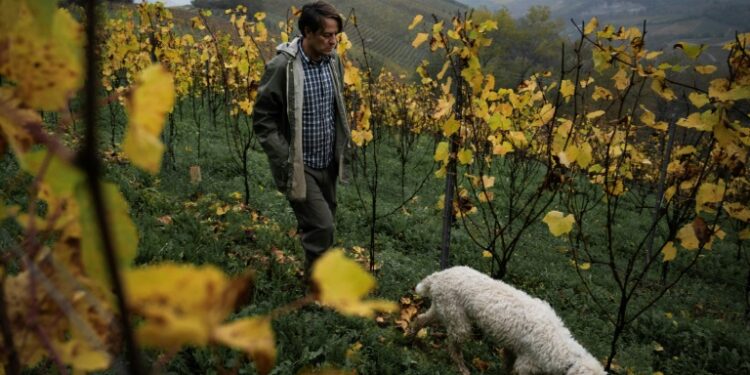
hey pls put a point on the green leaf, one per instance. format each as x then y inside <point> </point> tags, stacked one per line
<point>466,156</point>
<point>558,223</point>
<point>691,50</point>
<point>61,176</point>
<point>123,232</point>
<point>442,151</point>
<point>42,11</point>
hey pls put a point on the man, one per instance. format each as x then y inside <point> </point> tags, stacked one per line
<point>300,119</point>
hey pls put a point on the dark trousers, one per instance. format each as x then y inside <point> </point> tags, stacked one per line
<point>316,215</point>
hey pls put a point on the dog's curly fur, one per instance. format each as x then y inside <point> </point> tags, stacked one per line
<point>526,326</point>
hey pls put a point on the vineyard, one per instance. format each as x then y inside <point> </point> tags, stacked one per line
<point>141,230</point>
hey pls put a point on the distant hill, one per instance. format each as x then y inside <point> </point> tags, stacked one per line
<point>668,21</point>
<point>383,25</point>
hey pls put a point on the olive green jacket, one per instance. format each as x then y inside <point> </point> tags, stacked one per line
<point>277,118</point>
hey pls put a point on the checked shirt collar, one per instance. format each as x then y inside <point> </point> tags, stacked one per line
<point>318,108</point>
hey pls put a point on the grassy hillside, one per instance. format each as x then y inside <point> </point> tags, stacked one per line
<point>668,20</point>
<point>383,25</point>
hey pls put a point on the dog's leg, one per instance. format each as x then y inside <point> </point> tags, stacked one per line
<point>459,330</point>
<point>525,366</point>
<point>422,320</point>
<point>509,359</point>
<point>454,350</point>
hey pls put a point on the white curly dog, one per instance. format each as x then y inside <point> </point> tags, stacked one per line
<point>525,326</point>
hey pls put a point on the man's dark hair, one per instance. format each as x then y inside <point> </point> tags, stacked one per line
<point>314,14</point>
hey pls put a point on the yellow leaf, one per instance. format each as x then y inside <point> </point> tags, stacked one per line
<point>601,93</point>
<point>42,56</point>
<point>451,126</point>
<point>558,223</point>
<point>437,28</point>
<point>546,114</point>
<point>254,336</point>
<point>422,333</point>
<point>488,25</point>
<point>709,193</point>
<point>502,148</point>
<point>352,76</point>
<point>744,234</point>
<point>648,117</point>
<point>343,283</point>
<point>567,88</point>
<point>602,59</point>
<point>700,121</point>
<point>518,139</point>
<point>486,196</point>
<point>721,90</point>
<point>737,211</point>
<point>669,251</point>
<point>222,210</point>
<point>506,110</point>
<point>687,238</point>
<point>653,54</point>
<point>466,156</point>
<point>591,26</point>
<point>82,357</point>
<point>361,137</point>
<point>498,121</point>
<point>584,266</point>
<point>622,81</point>
<point>569,156</point>
<point>584,155</point>
<point>442,172</point>
<point>181,303</point>
<point>417,19</point>
<point>148,104</point>
<point>421,38</point>
<point>488,181</point>
<point>595,114</point>
<point>442,151</point>
<point>698,100</point>
<point>486,254</point>
<point>705,69</point>
<point>660,87</point>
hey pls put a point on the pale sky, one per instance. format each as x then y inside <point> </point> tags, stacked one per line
<point>169,3</point>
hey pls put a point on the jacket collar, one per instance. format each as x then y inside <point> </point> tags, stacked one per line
<point>290,48</point>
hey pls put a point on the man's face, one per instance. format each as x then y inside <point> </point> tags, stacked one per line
<point>323,42</point>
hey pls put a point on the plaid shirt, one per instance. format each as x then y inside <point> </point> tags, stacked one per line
<point>318,130</point>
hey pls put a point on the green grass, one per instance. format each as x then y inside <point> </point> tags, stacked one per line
<point>705,334</point>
